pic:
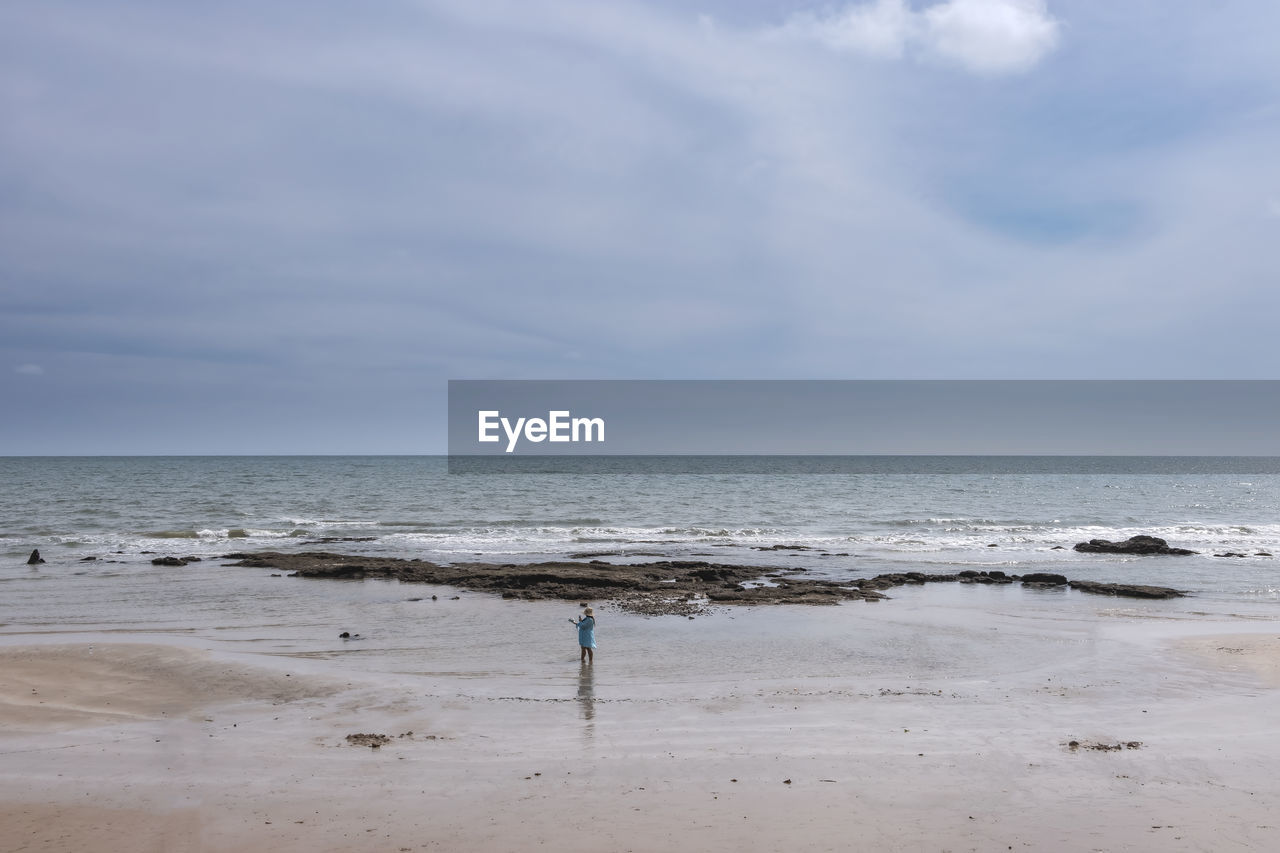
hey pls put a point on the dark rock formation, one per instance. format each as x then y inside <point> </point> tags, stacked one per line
<point>1128,590</point>
<point>168,561</point>
<point>35,559</point>
<point>682,587</point>
<point>1044,578</point>
<point>971,576</point>
<point>1132,545</point>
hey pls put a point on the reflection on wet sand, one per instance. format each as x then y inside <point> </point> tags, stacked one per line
<point>587,691</point>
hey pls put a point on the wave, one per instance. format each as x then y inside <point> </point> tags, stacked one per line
<point>412,524</point>
<point>328,522</point>
<point>914,522</point>
<point>218,533</point>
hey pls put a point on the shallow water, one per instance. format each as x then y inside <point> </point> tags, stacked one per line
<point>480,645</point>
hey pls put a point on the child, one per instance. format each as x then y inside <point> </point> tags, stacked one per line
<point>587,635</point>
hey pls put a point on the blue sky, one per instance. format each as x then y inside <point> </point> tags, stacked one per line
<point>247,227</point>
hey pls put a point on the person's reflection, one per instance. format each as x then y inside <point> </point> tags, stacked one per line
<point>587,691</point>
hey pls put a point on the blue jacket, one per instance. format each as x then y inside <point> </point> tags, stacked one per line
<point>587,632</point>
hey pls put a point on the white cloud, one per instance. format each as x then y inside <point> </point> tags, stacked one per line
<point>991,36</point>
<point>29,370</point>
<point>876,29</point>
<point>983,36</point>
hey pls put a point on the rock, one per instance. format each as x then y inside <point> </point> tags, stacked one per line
<point>345,635</point>
<point>1044,578</point>
<point>87,559</point>
<point>1099,746</point>
<point>1132,545</point>
<point>1057,548</point>
<point>665,587</point>
<point>168,561</point>
<point>971,576</point>
<point>35,559</point>
<point>1127,590</point>
<point>1263,554</point>
<point>370,740</point>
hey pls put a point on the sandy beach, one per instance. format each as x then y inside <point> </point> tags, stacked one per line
<point>118,746</point>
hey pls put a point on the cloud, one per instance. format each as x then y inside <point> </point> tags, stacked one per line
<point>29,370</point>
<point>212,209</point>
<point>982,36</point>
<point>879,29</point>
<point>991,36</point>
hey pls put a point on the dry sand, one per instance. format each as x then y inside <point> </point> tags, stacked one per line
<point>1251,653</point>
<point>141,747</point>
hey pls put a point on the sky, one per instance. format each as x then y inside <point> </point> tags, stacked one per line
<point>282,227</point>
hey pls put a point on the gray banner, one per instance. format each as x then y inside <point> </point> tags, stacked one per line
<point>770,419</point>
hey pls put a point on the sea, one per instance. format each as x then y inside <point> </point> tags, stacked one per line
<point>877,515</point>
<point>880,514</point>
<point>98,522</point>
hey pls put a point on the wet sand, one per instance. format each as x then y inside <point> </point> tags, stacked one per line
<point>155,747</point>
